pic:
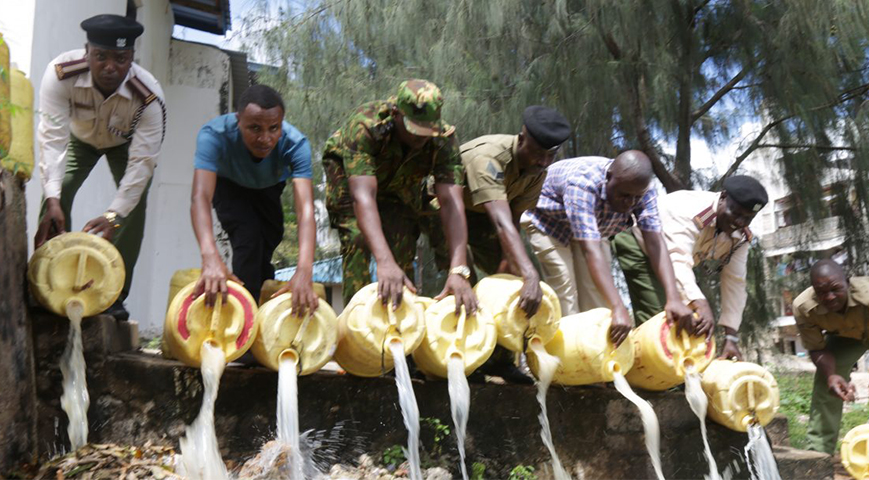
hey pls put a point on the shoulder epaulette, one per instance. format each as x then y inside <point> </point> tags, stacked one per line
<point>704,218</point>
<point>748,234</point>
<point>70,69</point>
<point>141,90</point>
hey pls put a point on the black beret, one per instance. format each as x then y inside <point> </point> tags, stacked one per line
<point>746,191</point>
<point>112,31</point>
<point>548,127</point>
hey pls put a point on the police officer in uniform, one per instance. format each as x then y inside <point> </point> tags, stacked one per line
<point>504,175</point>
<point>376,165</point>
<point>97,102</point>
<point>706,229</point>
<point>833,319</point>
<point>503,178</point>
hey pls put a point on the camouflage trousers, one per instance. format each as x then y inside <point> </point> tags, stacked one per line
<point>402,226</point>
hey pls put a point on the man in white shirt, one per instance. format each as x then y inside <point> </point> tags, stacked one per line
<point>96,102</point>
<point>705,229</point>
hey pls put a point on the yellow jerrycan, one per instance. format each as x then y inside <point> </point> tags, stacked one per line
<point>499,294</point>
<point>5,98</point>
<point>740,393</point>
<point>308,341</point>
<point>660,355</point>
<point>471,338</point>
<point>270,287</point>
<point>855,451</point>
<point>587,355</point>
<point>366,328</point>
<point>230,325</point>
<point>179,280</point>
<point>20,158</point>
<point>76,267</point>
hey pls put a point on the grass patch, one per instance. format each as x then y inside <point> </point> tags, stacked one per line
<point>796,403</point>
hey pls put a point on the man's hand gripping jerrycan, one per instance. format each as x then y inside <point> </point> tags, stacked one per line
<point>229,325</point>
<point>76,267</point>
<point>855,451</point>
<point>587,354</point>
<point>366,328</point>
<point>740,394</point>
<point>471,338</point>
<point>499,295</point>
<point>308,341</point>
<point>661,356</point>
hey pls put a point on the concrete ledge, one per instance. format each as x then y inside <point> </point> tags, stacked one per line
<point>793,463</point>
<point>137,398</point>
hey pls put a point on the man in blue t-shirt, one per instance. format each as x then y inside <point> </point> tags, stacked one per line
<point>242,163</point>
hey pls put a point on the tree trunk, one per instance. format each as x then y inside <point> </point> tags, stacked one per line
<point>682,166</point>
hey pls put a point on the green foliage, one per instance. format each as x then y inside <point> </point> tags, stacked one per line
<point>440,432</point>
<point>795,391</point>
<point>478,471</point>
<point>651,75</point>
<point>522,472</point>
<point>393,456</point>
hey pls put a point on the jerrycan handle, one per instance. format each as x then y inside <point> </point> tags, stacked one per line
<point>752,383</point>
<point>215,333</point>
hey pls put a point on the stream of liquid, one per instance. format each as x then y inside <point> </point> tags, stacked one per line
<point>75,399</point>
<point>650,421</point>
<point>460,404</point>
<point>698,401</point>
<point>288,415</point>
<point>548,365</point>
<point>758,455</point>
<point>199,451</point>
<point>409,408</point>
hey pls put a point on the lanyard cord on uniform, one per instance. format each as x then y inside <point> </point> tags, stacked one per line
<point>726,259</point>
<point>138,117</point>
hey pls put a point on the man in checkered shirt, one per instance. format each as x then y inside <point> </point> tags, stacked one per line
<point>584,202</point>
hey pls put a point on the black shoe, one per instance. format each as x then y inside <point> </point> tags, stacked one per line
<point>118,311</point>
<point>510,373</point>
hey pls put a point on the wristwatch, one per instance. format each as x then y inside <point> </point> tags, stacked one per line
<point>112,218</point>
<point>461,270</point>
<point>732,338</point>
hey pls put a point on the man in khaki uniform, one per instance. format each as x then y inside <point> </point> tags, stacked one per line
<point>503,178</point>
<point>706,229</point>
<point>832,316</point>
<point>504,175</point>
<point>97,102</point>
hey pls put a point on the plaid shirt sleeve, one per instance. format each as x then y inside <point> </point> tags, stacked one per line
<point>579,203</point>
<point>647,213</point>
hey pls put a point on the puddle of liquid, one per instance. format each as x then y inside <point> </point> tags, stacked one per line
<point>199,451</point>
<point>548,364</point>
<point>698,401</point>
<point>288,415</point>
<point>650,421</point>
<point>75,399</point>
<point>460,404</point>
<point>758,455</point>
<point>409,408</point>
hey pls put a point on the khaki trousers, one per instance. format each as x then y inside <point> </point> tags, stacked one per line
<point>565,270</point>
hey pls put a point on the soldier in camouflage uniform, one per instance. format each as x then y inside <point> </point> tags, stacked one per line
<point>376,164</point>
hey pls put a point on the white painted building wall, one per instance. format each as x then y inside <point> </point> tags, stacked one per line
<point>191,75</point>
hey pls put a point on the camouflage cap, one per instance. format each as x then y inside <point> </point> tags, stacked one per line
<point>420,102</point>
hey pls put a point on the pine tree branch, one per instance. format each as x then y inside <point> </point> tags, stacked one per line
<point>720,93</point>
<point>849,94</point>
<point>817,147</point>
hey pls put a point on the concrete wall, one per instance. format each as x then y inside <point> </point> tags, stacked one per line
<point>196,75</point>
